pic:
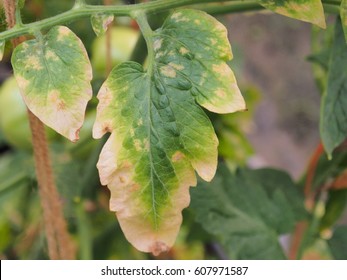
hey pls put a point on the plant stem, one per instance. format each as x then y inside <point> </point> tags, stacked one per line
<point>228,8</point>
<point>81,10</point>
<point>58,239</point>
<point>147,33</point>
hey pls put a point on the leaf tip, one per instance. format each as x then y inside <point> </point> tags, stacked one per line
<point>159,247</point>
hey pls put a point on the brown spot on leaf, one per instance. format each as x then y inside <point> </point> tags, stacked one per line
<point>107,127</point>
<point>177,156</point>
<point>158,247</point>
<point>55,100</point>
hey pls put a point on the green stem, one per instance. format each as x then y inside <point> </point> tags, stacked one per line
<point>233,7</point>
<point>81,11</point>
<point>147,33</point>
<point>331,9</point>
<point>85,233</point>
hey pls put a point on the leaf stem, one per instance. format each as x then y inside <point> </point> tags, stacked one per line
<point>82,10</point>
<point>147,33</point>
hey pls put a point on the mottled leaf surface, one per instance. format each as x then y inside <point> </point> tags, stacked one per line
<point>100,22</point>
<point>54,75</point>
<point>305,10</point>
<point>249,210</point>
<point>159,133</point>
<point>343,14</point>
<point>2,49</point>
<point>333,120</point>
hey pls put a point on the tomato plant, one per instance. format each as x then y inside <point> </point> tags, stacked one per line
<point>163,119</point>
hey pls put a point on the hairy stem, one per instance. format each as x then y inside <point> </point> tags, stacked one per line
<point>58,240</point>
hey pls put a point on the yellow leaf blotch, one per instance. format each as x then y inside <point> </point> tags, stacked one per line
<point>157,44</point>
<point>105,98</point>
<point>168,71</point>
<point>51,55</point>
<point>176,66</point>
<point>63,33</point>
<point>183,50</point>
<point>177,156</point>
<point>33,62</point>
<point>221,69</point>
<point>126,202</point>
<point>55,101</point>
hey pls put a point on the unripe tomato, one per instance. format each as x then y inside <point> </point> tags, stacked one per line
<point>123,41</point>
<point>14,122</point>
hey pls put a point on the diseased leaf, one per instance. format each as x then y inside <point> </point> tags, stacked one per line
<point>54,73</point>
<point>159,133</point>
<point>100,22</point>
<point>343,14</point>
<point>249,210</point>
<point>333,119</point>
<point>2,49</point>
<point>306,10</point>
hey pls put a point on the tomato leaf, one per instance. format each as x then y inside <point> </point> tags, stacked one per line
<point>343,14</point>
<point>306,10</point>
<point>249,210</point>
<point>159,133</point>
<point>100,22</point>
<point>54,73</point>
<point>334,101</point>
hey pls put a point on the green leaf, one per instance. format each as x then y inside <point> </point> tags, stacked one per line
<point>100,22</point>
<point>328,169</point>
<point>248,210</point>
<point>159,133</point>
<point>2,49</point>
<point>333,119</point>
<point>343,14</point>
<point>338,243</point>
<point>306,10</point>
<point>54,73</point>
<point>336,203</point>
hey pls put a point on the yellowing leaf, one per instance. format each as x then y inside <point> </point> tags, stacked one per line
<point>54,75</point>
<point>159,133</point>
<point>306,10</point>
<point>100,22</point>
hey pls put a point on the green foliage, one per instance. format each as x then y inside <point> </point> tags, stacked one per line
<point>305,10</point>
<point>156,125</point>
<point>343,14</point>
<point>338,243</point>
<point>54,73</point>
<point>249,210</point>
<point>161,135</point>
<point>334,101</point>
<point>100,23</point>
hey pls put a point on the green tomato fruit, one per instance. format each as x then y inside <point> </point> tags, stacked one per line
<point>122,44</point>
<point>14,122</point>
